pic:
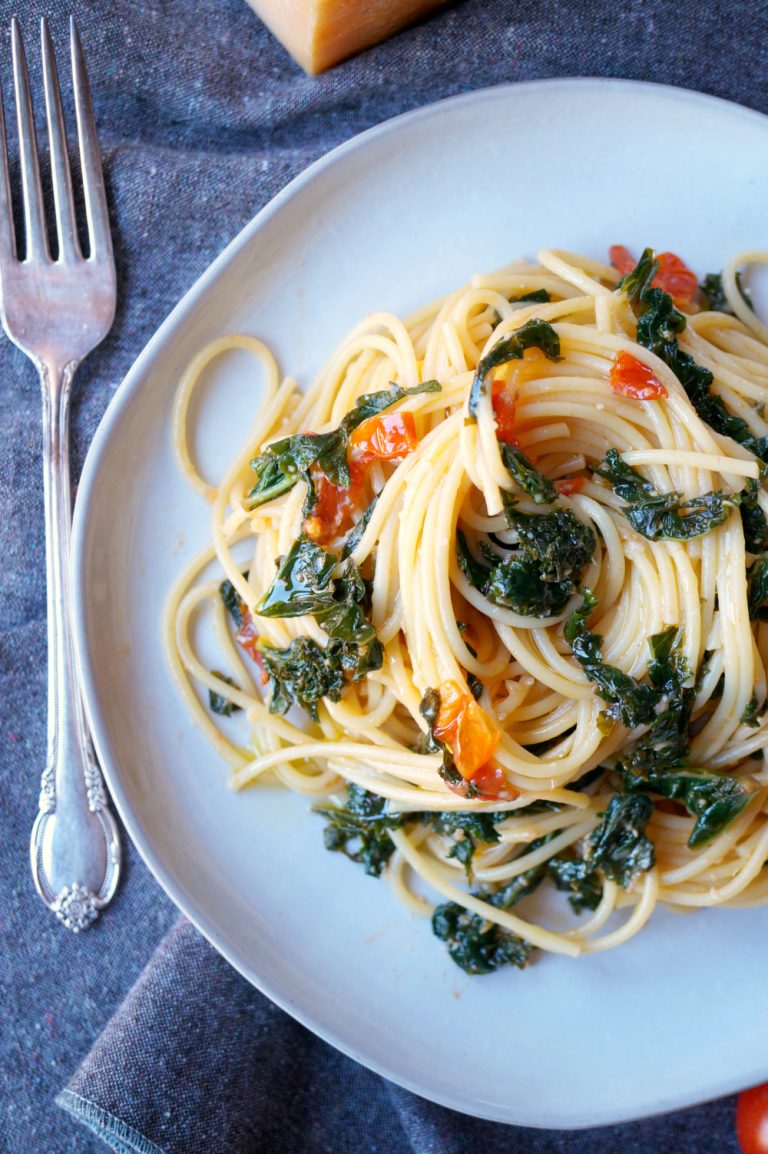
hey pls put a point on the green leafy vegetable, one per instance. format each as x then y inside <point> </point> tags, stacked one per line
<point>658,326</point>
<point>749,716</point>
<point>359,829</point>
<point>533,334</point>
<point>304,584</point>
<point>715,299</point>
<point>355,536</point>
<point>757,589</point>
<point>629,700</point>
<point>538,487</point>
<point>715,799</point>
<point>539,574</point>
<point>305,672</point>
<point>475,829</point>
<point>665,516</point>
<point>536,296</point>
<point>233,602</point>
<point>479,946</point>
<point>283,462</point>
<point>619,846</point>
<point>217,702</point>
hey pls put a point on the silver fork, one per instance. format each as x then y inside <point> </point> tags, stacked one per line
<point>57,311</point>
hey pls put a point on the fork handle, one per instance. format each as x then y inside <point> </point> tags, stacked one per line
<point>75,848</point>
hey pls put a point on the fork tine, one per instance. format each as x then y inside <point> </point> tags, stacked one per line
<point>34,220</point>
<point>66,227</point>
<point>7,236</point>
<point>90,159</point>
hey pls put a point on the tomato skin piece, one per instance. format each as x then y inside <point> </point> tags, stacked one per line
<point>387,437</point>
<point>335,508</point>
<point>570,485</point>
<point>674,276</point>
<point>466,727</point>
<point>247,638</point>
<point>504,401</point>
<point>752,1120</point>
<point>631,378</point>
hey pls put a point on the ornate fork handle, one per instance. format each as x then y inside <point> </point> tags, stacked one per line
<point>75,848</point>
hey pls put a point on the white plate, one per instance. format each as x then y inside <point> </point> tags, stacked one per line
<point>394,218</point>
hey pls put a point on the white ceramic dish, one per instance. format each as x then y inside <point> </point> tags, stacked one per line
<point>397,216</point>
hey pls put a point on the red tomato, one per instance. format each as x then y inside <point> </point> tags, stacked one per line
<point>569,485</point>
<point>247,638</point>
<point>389,437</point>
<point>674,276</point>
<point>335,508</point>
<point>752,1120</point>
<point>491,782</point>
<point>504,401</point>
<point>621,259</point>
<point>631,378</point>
<point>466,728</point>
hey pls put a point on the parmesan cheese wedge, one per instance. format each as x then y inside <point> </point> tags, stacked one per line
<point>320,33</point>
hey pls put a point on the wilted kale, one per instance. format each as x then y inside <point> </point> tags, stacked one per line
<point>359,828</point>
<point>629,700</point>
<point>217,702</point>
<point>619,846</point>
<point>749,716</point>
<point>666,516</point>
<point>475,944</point>
<point>305,672</point>
<point>536,296</point>
<point>757,589</point>
<point>533,334</point>
<point>233,602</point>
<point>658,326</point>
<point>476,828</point>
<point>715,299</point>
<point>535,484</point>
<point>283,462</point>
<point>539,574</point>
<point>304,584</point>
<point>715,799</point>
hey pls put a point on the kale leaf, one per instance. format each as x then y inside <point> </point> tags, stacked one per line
<point>629,700</point>
<point>233,602</point>
<point>533,334</point>
<point>305,672</point>
<point>539,574</point>
<point>749,716</point>
<point>715,299</point>
<point>283,462</point>
<point>355,535</point>
<point>476,829</point>
<point>538,487</point>
<point>715,799</point>
<point>619,846</point>
<point>359,829</point>
<point>757,588</point>
<point>658,326</point>
<point>480,946</point>
<point>304,584</point>
<point>666,516</point>
<point>218,702</point>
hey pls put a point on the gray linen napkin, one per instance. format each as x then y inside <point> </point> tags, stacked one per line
<point>202,118</point>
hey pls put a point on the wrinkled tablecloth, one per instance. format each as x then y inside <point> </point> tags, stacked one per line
<point>143,1032</point>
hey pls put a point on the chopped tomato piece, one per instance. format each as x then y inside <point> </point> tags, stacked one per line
<point>674,276</point>
<point>752,1120</point>
<point>335,508</point>
<point>388,437</point>
<point>621,259</point>
<point>247,638</point>
<point>631,378</point>
<point>466,727</point>
<point>504,401</point>
<point>491,782</point>
<point>569,485</point>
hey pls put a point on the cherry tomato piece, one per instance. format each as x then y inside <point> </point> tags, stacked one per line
<point>466,727</point>
<point>673,277</point>
<point>335,508</point>
<point>752,1120</point>
<point>631,378</point>
<point>621,259</point>
<point>247,638</point>
<point>388,437</point>
<point>504,403</point>
<point>569,485</point>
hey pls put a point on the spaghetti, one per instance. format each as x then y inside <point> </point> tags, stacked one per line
<point>516,635</point>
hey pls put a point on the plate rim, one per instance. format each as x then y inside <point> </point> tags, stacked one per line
<point>99,447</point>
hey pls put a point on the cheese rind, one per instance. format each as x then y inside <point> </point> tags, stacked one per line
<point>320,33</point>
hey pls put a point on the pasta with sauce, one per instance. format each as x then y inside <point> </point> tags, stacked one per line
<point>516,636</point>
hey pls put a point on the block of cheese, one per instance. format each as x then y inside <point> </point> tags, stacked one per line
<point>320,33</point>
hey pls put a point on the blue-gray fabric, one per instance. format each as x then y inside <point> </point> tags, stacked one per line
<point>144,1032</point>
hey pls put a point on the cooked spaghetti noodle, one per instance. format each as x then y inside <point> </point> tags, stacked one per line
<point>506,561</point>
